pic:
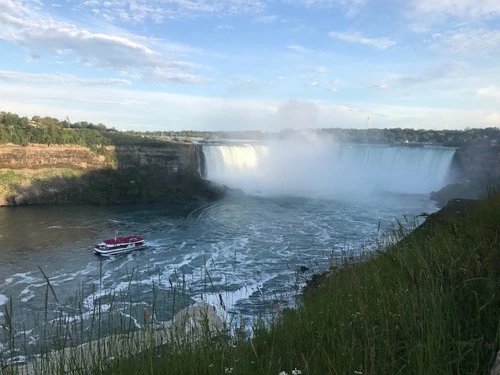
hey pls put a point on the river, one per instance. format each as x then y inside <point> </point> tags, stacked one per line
<point>247,254</point>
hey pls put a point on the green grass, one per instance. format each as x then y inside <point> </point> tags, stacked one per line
<point>9,180</point>
<point>427,304</point>
<point>8,177</point>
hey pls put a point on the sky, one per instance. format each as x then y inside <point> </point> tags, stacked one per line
<point>253,64</point>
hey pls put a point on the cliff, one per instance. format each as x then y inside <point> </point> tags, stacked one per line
<point>478,162</point>
<point>41,174</point>
<point>475,170</point>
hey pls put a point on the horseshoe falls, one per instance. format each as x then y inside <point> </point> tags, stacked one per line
<point>328,169</point>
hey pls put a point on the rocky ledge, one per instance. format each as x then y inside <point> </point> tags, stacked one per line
<point>41,174</point>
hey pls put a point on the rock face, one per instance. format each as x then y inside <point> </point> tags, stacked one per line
<point>123,174</point>
<point>478,162</point>
<point>56,156</point>
<point>475,169</point>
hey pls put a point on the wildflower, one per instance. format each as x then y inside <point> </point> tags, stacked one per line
<point>358,372</point>
<point>283,373</point>
<point>296,371</point>
<point>228,370</point>
<point>211,365</point>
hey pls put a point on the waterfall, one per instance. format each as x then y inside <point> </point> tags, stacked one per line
<point>305,167</point>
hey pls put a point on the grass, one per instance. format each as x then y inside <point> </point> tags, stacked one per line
<point>12,181</point>
<point>8,179</point>
<point>428,303</point>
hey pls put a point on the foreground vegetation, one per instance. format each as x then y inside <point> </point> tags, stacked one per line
<point>427,305</point>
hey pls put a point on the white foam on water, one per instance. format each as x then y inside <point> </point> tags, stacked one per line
<point>27,336</point>
<point>65,277</point>
<point>27,294</point>
<point>3,299</point>
<point>22,277</point>
<point>136,323</point>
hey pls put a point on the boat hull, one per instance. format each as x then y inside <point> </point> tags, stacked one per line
<point>128,249</point>
<point>120,245</point>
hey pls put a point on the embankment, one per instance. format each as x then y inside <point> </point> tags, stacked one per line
<point>41,174</point>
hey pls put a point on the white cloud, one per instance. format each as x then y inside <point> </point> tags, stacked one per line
<point>265,19</point>
<point>450,70</point>
<point>298,48</point>
<point>130,109</point>
<point>493,118</point>
<point>491,91</point>
<point>316,70</point>
<point>457,8</point>
<point>428,15</point>
<point>224,27</point>
<point>59,78</point>
<point>468,42</point>
<point>157,10</point>
<point>352,7</point>
<point>39,33</point>
<point>244,86</point>
<point>332,86</point>
<point>312,84</point>
<point>357,38</point>
<point>380,85</point>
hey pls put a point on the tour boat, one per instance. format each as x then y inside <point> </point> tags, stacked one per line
<point>119,245</point>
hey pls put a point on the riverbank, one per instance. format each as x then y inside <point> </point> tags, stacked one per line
<point>73,174</point>
<point>427,304</point>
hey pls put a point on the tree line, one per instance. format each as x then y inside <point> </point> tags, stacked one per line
<point>51,131</point>
<point>452,138</point>
<point>47,130</point>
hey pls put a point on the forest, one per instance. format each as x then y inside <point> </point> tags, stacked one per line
<point>47,130</point>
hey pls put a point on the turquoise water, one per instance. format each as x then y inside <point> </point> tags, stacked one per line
<point>248,250</point>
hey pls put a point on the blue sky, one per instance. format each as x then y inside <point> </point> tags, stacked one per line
<point>253,64</point>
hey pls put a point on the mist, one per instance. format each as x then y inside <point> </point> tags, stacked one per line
<point>314,166</point>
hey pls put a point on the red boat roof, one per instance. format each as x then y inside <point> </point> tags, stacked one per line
<point>120,240</point>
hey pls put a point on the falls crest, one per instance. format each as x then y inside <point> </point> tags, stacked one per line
<point>305,168</point>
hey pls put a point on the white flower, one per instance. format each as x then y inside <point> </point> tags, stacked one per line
<point>283,373</point>
<point>228,370</point>
<point>296,371</point>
